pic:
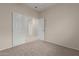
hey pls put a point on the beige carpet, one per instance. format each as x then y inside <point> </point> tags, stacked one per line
<point>39,48</point>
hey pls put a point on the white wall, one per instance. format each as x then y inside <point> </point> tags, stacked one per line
<point>6,22</point>
<point>62,25</point>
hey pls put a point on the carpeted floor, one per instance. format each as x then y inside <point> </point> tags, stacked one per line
<point>39,48</point>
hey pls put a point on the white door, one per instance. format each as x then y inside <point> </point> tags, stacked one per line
<point>40,28</point>
<point>19,29</point>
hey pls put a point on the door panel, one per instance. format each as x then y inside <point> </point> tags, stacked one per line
<point>19,29</point>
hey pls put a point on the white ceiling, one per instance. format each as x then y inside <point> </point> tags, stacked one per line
<point>40,6</point>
